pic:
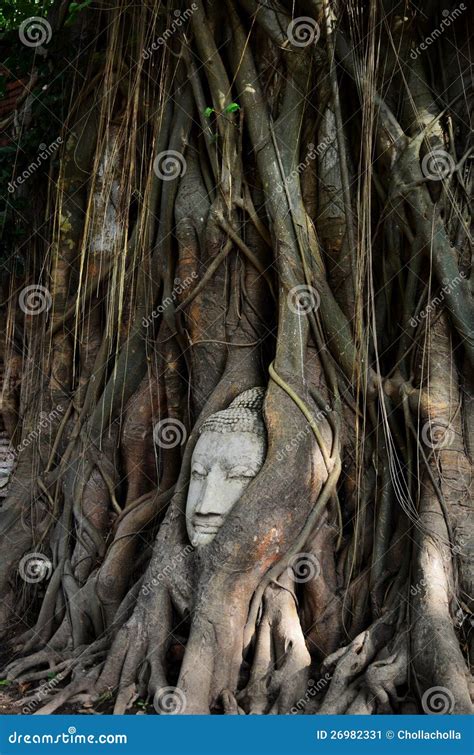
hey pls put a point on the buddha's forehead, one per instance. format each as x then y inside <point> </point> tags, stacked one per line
<point>229,448</point>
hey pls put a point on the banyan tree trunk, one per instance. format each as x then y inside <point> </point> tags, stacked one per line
<point>241,194</point>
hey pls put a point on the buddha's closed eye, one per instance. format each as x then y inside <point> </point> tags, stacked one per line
<point>238,472</point>
<point>198,472</point>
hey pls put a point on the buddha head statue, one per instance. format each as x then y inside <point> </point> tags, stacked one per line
<point>229,453</point>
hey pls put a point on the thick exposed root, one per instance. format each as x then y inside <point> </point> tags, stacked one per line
<point>265,262</point>
<point>85,684</point>
<point>19,668</point>
<point>348,663</point>
<point>281,663</point>
<point>385,674</point>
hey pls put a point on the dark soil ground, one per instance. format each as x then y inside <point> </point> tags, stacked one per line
<point>11,693</point>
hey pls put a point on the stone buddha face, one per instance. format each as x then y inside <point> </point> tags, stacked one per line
<point>228,455</point>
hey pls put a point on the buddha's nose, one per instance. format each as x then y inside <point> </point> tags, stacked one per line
<point>209,501</point>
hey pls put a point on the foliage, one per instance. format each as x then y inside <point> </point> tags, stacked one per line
<point>46,111</point>
<point>13,12</point>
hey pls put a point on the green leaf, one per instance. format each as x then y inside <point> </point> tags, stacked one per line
<point>104,697</point>
<point>232,108</point>
<point>4,682</point>
<point>208,112</point>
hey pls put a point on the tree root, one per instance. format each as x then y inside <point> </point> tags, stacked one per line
<point>281,663</point>
<point>347,663</point>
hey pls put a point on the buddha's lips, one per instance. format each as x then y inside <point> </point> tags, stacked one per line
<point>207,528</point>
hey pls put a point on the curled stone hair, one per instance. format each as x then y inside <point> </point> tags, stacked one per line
<point>244,414</point>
